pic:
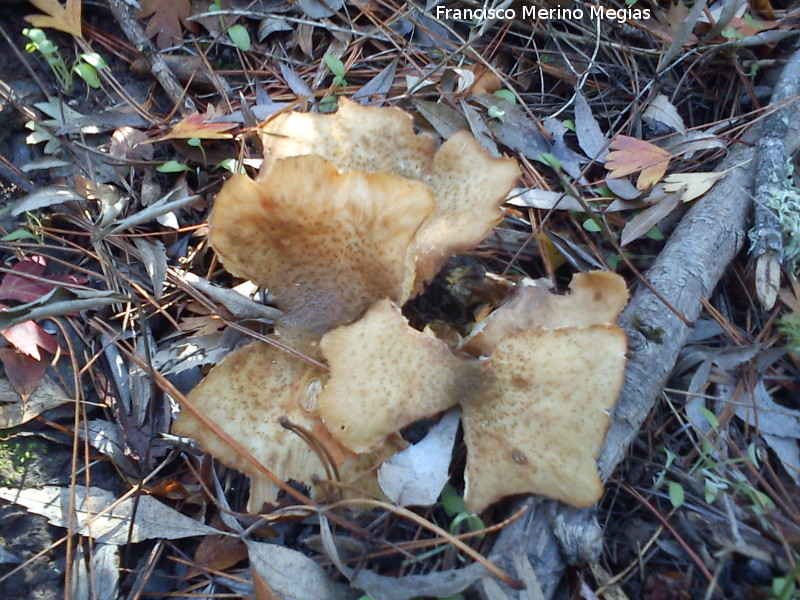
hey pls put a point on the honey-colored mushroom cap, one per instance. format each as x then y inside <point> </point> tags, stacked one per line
<point>593,298</point>
<point>326,244</point>
<point>539,425</point>
<point>246,395</point>
<point>468,184</point>
<point>384,376</point>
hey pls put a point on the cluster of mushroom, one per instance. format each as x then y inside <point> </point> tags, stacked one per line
<point>351,216</point>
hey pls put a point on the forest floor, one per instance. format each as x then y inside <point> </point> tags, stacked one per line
<point>118,128</point>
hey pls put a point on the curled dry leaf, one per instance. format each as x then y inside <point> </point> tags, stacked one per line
<point>247,394</point>
<point>631,155</point>
<point>326,244</point>
<point>467,184</point>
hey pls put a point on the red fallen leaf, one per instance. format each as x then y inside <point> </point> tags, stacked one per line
<point>24,289</point>
<point>28,337</point>
<point>23,372</point>
<point>196,126</point>
<point>631,154</point>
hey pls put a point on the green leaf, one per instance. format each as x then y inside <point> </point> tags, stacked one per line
<point>94,59</point>
<point>19,234</point>
<point>710,417</point>
<point>655,234</point>
<point>240,37</point>
<point>328,104</point>
<point>88,73</point>
<point>452,503</point>
<point>335,65</point>
<point>172,166</point>
<point>676,493</point>
<point>591,226</point>
<point>475,522</point>
<point>550,160</point>
<point>232,165</point>
<point>506,95</point>
<point>194,142</point>
<point>569,124</point>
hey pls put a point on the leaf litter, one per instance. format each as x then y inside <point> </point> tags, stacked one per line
<point>175,312</point>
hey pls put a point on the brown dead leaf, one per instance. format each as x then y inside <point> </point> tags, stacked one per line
<point>166,19</point>
<point>196,126</point>
<point>130,143</point>
<point>65,18</point>
<point>630,155</point>
<point>22,371</point>
<point>217,553</point>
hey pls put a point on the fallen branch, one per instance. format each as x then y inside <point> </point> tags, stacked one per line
<point>771,184</point>
<point>158,66</point>
<point>685,273</point>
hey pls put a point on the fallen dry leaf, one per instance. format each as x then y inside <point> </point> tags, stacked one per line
<point>28,337</point>
<point>166,18</point>
<point>692,185</point>
<point>13,412</point>
<point>630,155</point>
<point>27,289</point>
<point>417,475</point>
<point>23,372</point>
<point>65,18</point>
<point>115,526</point>
<point>196,126</point>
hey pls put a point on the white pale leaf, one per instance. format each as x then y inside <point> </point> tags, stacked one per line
<point>693,185</point>
<point>662,110</point>
<point>417,475</point>
<point>292,575</point>
<point>154,520</point>
<point>154,257</point>
<point>544,200</point>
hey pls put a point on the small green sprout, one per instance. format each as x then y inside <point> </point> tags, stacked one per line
<point>172,166</point>
<point>506,95</point>
<point>495,112</point>
<point>86,64</point>
<point>336,66</point>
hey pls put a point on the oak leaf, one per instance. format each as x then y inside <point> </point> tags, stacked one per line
<point>166,17</point>
<point>66,18</point>
<point>631,155</point>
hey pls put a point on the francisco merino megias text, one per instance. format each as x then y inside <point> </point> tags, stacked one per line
<point>620,15</point>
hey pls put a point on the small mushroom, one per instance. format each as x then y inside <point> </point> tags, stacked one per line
<point>247,394</point>
<point>468,184</point>
<point>326,244</point>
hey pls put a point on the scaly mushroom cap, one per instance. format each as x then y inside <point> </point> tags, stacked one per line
<point>326,244</point>
<point>246,394</point>
<point>386,375</point>
<point>593,298</point>
<point>468,185</point>
<point>538,427</point>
